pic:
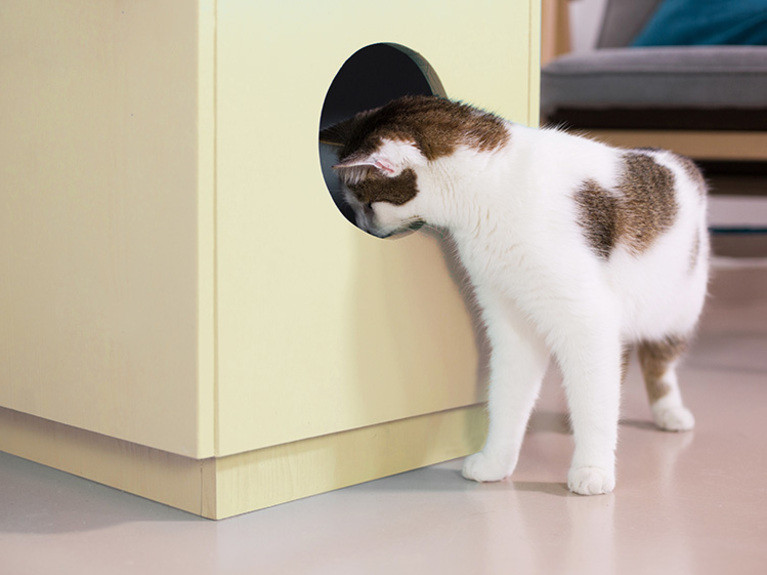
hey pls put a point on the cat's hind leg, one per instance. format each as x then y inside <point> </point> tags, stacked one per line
<point>625,360</point>
<point>589,351</point>
<point>518,362</point>
<point>593,395</point>
<point>658,361</point>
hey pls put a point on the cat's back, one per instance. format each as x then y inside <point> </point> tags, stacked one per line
<point>628,197</point>
<point>660,263</point>
<point>638,215</point>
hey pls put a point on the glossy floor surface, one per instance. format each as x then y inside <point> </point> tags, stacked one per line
<point>691,502</point>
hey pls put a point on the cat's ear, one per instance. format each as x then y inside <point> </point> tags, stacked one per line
<point>390,158</point>
<point>382,164</point>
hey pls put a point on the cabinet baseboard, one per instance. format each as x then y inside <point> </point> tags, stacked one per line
<point>221,487</point>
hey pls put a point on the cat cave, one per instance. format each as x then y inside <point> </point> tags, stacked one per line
<point>190,315</point>
<point>370,78</point>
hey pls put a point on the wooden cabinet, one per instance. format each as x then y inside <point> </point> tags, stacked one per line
<point>184,312</point>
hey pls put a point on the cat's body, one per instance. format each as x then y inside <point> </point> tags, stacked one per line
<point>576,250</point>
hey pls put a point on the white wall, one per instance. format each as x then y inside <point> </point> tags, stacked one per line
<point>585,18</point>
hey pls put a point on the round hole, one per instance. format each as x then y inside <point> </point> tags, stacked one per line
<point>371,77</point>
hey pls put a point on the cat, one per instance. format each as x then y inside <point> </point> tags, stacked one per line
<point>576,250</point>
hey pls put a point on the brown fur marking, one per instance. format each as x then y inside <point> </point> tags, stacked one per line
<point>649,200</point>
<point>379,188</point>
<point>437,127</point>
<point>693,172</point>
<point>625,359</point>
<point>695,252</point>
<point>656,357</point>
<point>643,207</point>
<point>598,217</point>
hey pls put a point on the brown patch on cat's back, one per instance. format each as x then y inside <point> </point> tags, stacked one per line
<point>435,125</point>
<point>649,205</point>
<point>642,206</point>
<point>598,217</point>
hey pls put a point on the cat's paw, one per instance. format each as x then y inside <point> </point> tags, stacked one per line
<point>590,480</point>
<point>484,468</point>
<point>676,418</point>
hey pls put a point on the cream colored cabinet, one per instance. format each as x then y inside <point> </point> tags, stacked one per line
<point>184,312</point>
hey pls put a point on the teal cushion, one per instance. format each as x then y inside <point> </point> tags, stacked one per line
<point>706,22</point>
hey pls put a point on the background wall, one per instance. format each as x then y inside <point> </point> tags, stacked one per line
<point>585,18</point>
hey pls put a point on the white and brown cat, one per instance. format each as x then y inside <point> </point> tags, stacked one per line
<point>576,250</point>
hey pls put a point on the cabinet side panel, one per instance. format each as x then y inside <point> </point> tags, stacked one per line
<point>322,328</point>
<point>98,216</point>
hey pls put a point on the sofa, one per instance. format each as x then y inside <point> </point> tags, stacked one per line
<point>708,102</point>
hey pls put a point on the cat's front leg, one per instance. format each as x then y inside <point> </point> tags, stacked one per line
<point>518,363</point>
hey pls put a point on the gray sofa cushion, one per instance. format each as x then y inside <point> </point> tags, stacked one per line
<point>698,77</point>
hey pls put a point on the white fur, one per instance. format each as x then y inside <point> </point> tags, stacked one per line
<point>543,290</point>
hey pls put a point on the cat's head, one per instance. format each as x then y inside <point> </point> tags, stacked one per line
<point>385,155</point>
<point>377,165</point>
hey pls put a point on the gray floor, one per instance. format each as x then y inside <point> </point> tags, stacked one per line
<point>685,503</point>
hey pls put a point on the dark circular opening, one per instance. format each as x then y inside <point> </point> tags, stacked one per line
<point>371,77</point>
